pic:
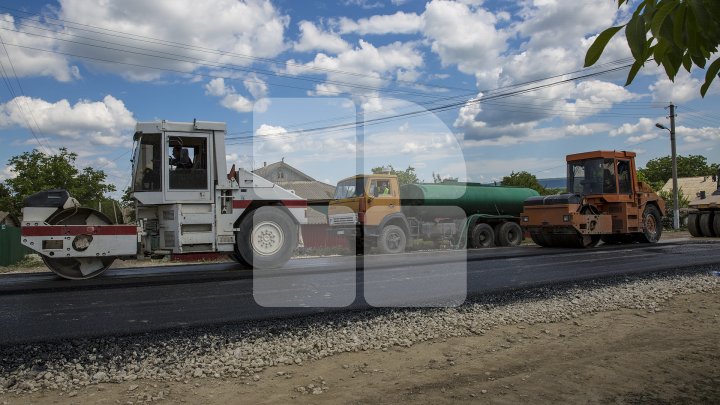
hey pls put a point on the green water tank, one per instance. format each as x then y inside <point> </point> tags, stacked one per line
<point>422,200</point>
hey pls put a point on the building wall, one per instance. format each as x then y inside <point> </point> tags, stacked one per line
<point>316,236</point>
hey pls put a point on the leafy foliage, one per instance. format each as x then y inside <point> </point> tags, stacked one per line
<point>659,170</point>
<point>127,202</point>
<point>407,176</point>
<point>36,171</point>
<point>683,202</point>
<point>524,179</point>
<point>675,33</point>
<point>437,178</point>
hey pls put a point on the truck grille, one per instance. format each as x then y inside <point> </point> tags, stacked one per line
<point>343,219</point>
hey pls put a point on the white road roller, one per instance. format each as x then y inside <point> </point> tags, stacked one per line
<point>187,203</point>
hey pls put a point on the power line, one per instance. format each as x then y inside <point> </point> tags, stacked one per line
<point>206,63</point>
<point>376,121</point>
<point>6,79</point>
<point>157,41</point>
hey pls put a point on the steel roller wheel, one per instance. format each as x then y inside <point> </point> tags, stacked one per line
<point>78,268</point>
<point>716,224</point>
<point>539,239</point>
<point>706,224</point>
<point>693,224</point>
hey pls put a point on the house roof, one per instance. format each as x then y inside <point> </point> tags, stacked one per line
<point>267,169</point>
<point>691,186</point>
<point>309,190</point>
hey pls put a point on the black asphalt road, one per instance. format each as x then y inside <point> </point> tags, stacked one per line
<point>39,306</point>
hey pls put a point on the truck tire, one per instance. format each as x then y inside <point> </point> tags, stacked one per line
<point>267,238</point>
<point>651,225</point>
<point>392,239</point>
<point>482,236</point>
<point>706,224</point>
<point>693,224</point>
<point>508,234</point>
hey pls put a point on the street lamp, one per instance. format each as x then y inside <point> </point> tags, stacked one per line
<point>676,208</point>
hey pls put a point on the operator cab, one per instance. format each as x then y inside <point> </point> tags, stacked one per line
<point>171,167</point>
<point>596,174</point>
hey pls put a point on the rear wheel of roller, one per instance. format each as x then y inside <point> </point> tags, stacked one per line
<point>78,268</point>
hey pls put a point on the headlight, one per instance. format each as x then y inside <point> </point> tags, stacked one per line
<point>526,219</point>
<point>566,218</point>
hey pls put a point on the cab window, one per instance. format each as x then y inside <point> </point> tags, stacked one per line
<point>187,163</point>
<point>380,188</point>
<point>148,163</point>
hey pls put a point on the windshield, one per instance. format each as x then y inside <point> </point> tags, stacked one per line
<point>592,176</point>
<point>350,188</point>
<point>147,163</point>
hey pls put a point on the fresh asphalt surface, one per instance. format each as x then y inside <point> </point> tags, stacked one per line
<point>40,306</point>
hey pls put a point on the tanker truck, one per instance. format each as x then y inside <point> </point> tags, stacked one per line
<point>374,211</point>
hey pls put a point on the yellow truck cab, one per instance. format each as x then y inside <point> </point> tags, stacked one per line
<point>365,202</point>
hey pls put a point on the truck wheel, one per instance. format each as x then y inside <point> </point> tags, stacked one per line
<point>392,240</point>
<point>508,234</point>
<point>482,236</point>
<point>266,238</point>
<point>694,225</point>
<point>706,224</point>
<point>652,227</point>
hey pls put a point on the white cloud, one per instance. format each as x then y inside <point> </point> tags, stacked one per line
<point>684,89</point>
<point>313,39</point>
<point>95,122</point>
<point>253,28</point>
<point>398,23</point>
<point>29,62</point>
<point>232,100</point>
<point>369,64</point>
<point>275,139</point>
<point>465,37</point>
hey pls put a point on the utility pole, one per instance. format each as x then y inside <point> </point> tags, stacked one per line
<point>676,208</point>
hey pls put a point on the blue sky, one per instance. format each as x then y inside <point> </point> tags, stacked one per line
<point>80,73</point>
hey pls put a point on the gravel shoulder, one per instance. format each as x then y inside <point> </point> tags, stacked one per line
<point>650,339</point>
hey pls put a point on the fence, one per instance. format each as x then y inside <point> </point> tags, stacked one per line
<point>11,250</point>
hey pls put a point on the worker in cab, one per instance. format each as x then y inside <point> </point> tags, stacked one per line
<point>180,158</point>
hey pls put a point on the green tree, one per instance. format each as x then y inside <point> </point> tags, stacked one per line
<point>683,202</point>
<point>659,170</point>
<point>127,202</point>
<point>524,179</point>
<point>36,171</point>
<point>437,178</point>
<point>407,176</point>
<point>674,33</point>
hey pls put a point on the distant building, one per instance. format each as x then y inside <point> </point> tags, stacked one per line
<point>8,220</point>
<point>318,195</point>
<point>692,186</point>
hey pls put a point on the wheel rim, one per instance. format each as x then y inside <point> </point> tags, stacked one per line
<point>651,225</point>
<point>267,238</point>
<point>78,268</point>
<point>393,240</point>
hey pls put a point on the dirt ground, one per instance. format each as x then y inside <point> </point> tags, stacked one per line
<point>625,356</point>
